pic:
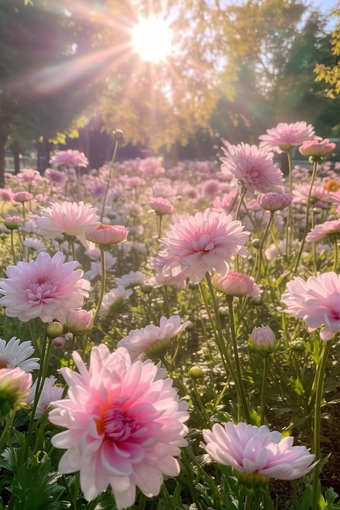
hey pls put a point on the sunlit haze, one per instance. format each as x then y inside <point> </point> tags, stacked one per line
<point>151,39</point>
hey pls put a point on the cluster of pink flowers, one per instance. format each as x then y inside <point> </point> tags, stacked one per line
<point>69,158</point>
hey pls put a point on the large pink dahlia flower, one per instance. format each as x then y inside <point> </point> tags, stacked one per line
<point>256,451</point>
<point>68,218</point>
<point>46,287</point>
<point>316,301</point>
<point>201,243</point>
<point>253,166</point>
<point>125,425</point>
<point>285,136</point>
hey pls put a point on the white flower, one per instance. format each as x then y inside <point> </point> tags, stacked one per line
<point>130,280</point>
<point>96,267</point>
<point>15,354</point>
<point>50,393</point>
<point>114,297</point>
<point>34,244</point>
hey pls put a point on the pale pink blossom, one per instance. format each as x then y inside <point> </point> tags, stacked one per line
<point>124,426</point>
<point>316,301</point>
<point>6,195</point>
<point>79,321</point>
<point>211,187</point>
<point>274,201</point>
<point>233,284</point>
<point>224,203</point>
<point>69,158</point>
<point>152,339</point>
<point>255,450</point>
<point>190,192</point>
<point>253,166</point>
<point>29,176</point>
<point>319,194</point>
<point>13,221</point>
<point>22,196</point>
<point>67,218</point>
<point>327,229</point>
<point>202,243</point>
<point>161,205</point>
<point>57,178</point>
<point>46,287</point>
<point>59,342</point>
<point>50,393</point>
<point>114,299</point>
<point>150,167</point>
<point>158,263</point>
<point>285,136</point>
<point>107,234</point>
<point>98,191</point>
<point>317,148</point>
<point>133,182</point>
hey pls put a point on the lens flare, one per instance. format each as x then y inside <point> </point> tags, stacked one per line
<point>151,39</point>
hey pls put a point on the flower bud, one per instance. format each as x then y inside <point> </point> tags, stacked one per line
<point>13,221</point>
<point>59,342</point>
<point>195,373</point>
<point>118,135</point>
<point>190,326</point>
<point>54,329</point>
<point>263,340</point>
<point>107,234</point>
<point>14,386</point>
<point>256,243</point>
<point>233,284</point>
<point>79,321</point>
<point>193,286</point>
<point>298,346</point>
<point>274,201</point>
<point>146,288</point>
<point>223,311</point>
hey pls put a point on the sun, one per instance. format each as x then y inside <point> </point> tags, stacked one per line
<point>151,39</point>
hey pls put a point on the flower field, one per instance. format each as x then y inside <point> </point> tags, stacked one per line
<point>170,336</point>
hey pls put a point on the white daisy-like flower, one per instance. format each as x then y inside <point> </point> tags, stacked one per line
<point>34,244</point>
<point>130,280</point>
<point>50,393</point>
<point>114,298</point>
<point>15,354</point>
<point>96,267</point>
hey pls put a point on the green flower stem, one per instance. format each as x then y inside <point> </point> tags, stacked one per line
<point>12,247</point>
<point>44,359</point>
<point>317,420</point>
<point>336,255</point>
<point>200,403</point>
<point>103,283</point>
<point>160,226</point>
<point>289,213</point>
<point>167,497</point>
<point>244,191</point>
<point>67,488</point>
<point>242,393</point>
<point>7,428</point>
<point>262,245</point>
<point>315,167</point>
<point>108,182</point>
<point>76,489</point>
<point>218,331</point>
<point>263,389</point>
<point>248,502</point>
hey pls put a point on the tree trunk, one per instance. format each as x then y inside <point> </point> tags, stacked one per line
<point>3,140</point>
<point>15,148</point>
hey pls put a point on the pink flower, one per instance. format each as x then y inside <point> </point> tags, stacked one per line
<point>59,342</point>
<point>57,178</point>
<point>46,287</point>
<point>210,187</point>
<point>69,158</point>
<point>317,148</point>
<point>79,321</point>
<point>107,234</point>
<point>224,203</point>
<point>13,221</point>
<point>152,339</point>
<point>124,423</point>
<point>257,451</point>
<point>253,166</point>
<point>6,195</point>
<point>262,339</point>
<point>275,201</point>
<point>22,196</point>
<point>233,284</point>
<point>319,194</point>
<point>98,191</point>
<point>190,192</point>
<point>161,205</point>
<point>286,136</point>
<point>28,176</point>
<point>327,229</point>
<point>50,393</point>
<point>14,385</point>
<point>150,167</point>
<point>316,301</point>
<point>202,243</point>
<point>67,218</point>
